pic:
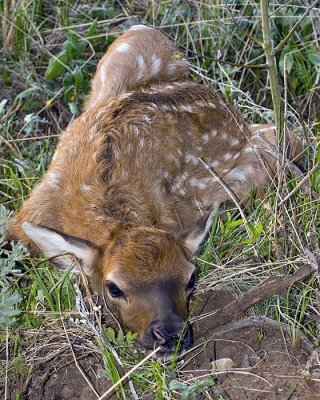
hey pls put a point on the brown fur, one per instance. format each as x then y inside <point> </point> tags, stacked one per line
<point>126,175</point>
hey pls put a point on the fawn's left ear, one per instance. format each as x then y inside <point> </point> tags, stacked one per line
<point>62,247</point>
<point>193,236</point>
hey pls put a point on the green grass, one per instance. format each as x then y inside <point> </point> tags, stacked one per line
<point>49,51</point>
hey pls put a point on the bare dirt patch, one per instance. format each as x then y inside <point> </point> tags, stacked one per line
<point>268,364</point>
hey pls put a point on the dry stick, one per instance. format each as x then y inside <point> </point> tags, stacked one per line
<point>272,67</point>
<point>267,288</point>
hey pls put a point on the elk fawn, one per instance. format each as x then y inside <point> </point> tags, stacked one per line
<point>128,191</point>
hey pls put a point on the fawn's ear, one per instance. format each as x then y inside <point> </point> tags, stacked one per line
<point>193,236</point>
<point>62,247</point>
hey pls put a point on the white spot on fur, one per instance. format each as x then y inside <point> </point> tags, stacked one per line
<point>165,108</point>
<point>205,138</point>
<point>202,183</point>
<point>227,156</point>
<point>100,113</point>
<point>53,178</point>
<point>72,150</point>
<point>188,109</point>
<point>101,218</point>
<point>174,159</point>
<point>141,143</point>
<point>197,183</point>
<point>270,128</point>
<point>214,163</point>
<point>86,188</point>
<point>92,134</point>
<point>155,64</point>
<point>250,149</point>
<point>192,159</point>
<point>224,136</point>
<point>141,66</point>
<point>134,129</point>
<point>240,174</point>
<point>236,155</point>
<point>214,133</point>
<point>123,47</point>
<point>234,142</point>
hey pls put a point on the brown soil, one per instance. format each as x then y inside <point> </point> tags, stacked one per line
<point>268,365</point>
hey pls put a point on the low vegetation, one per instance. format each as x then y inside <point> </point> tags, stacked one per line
<point>49,50</point>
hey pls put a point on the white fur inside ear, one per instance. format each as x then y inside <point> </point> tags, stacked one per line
<point>196,236</point>
<point>52,244</point>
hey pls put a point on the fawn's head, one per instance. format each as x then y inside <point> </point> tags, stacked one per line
<point>145,275</point>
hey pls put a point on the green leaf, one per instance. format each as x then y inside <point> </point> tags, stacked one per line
<point>56,66</point>
<point>40,296</point>
<point>73,107</point>
<point>286,61</point>
<point>2,106</point>
<point>111,334</point>
<point>78,78</point>
<point>177,385</point>
<point>111,12</point>
<point>8,306</point>
<point>26,93</point>
<point>315,59</point>
<point>92,29</point>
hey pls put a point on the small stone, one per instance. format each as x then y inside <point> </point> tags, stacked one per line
<point>223,364</point>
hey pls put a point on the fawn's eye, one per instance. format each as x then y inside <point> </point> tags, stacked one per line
<point>192,281</point>
<point>114,290</point>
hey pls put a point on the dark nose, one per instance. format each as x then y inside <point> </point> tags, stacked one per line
<point>168,334</point>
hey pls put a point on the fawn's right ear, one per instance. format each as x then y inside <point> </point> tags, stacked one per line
<point>62,248</point>
<point>193,236</point>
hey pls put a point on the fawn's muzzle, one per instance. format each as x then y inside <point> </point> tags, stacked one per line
<point>168,334</point>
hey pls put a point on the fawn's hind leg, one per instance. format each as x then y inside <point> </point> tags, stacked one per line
<point>258,162</point>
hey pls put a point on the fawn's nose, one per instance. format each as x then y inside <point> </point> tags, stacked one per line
<point>168,334</point>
